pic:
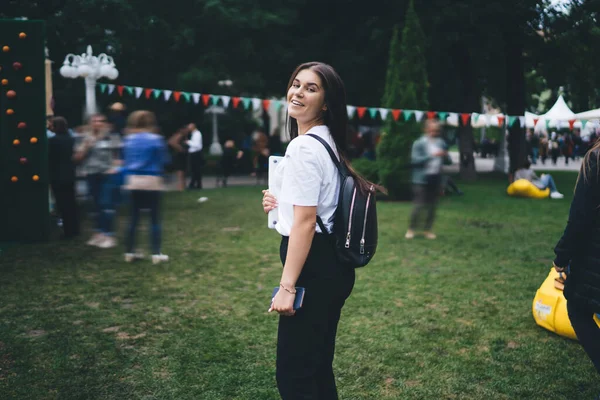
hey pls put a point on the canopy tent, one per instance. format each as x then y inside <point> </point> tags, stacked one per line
<point>592,114</point>
<point>560,111</point>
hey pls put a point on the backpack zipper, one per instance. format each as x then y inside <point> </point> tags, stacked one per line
<point>362,239</point>
<point>347,245</point>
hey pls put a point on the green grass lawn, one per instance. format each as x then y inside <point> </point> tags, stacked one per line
<point>448,319</point>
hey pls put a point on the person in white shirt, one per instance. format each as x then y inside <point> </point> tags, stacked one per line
<point>307,184</point>
<point>196,158</point>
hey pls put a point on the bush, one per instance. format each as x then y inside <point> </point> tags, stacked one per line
<point>367,168</point>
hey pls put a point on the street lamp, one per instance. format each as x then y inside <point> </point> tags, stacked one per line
<point>215,147</point>
<point>91,68</point>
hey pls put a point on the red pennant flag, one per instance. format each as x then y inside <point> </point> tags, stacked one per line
<point>396,114</point>
<point>431,114</point>
<point>465,118</point>
<point>266,104</point>
<point>236,101</point>
<point>205,99</point>
<point>120,89</point>
<point>361,111</point>
<point>176,96</point>
<point>571,124</point>
<point>148,92</point>
<point>500,120</point>
<point>535,121</point>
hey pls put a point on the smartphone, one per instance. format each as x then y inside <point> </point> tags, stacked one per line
<point>298,301</point>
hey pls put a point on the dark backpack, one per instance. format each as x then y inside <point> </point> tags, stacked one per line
<point>355,219</point>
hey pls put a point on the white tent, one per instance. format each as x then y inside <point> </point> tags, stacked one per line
<point>592,114</point>
<point>560,111</point>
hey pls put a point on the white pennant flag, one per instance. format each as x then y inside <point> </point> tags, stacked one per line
<point>521,121</point>
<point>488,120</point>
<point>452,119</point>
<point>167,94</point>
<point>138,92</point>
<point>418,115</point>
<point>225,100</point>
<point>256,104</point>
<point>350,110</point>
<point>384,113</point>
<point>196,97</point>
<point>111,88</point>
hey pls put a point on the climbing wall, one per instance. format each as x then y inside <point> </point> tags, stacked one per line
<point>23,143</point>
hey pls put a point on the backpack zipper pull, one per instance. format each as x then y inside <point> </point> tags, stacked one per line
<point>347,245</point>
<point>362,246</point>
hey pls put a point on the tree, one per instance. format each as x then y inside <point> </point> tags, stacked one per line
<point>406,87</point>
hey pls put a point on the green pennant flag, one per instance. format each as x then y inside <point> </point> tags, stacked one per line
<point>247,102</point>
<point>407,114</point>
<point>373,112</point>
<point>215,99</point>
<point>475,117</point>
<point>547,124</point>
<point>103,87</point>
<point>583,122</point>
<point>511,120</point>
<point>156,93</point>
<point>442,115</point>
<point>186,96</point>
<point>129,89</point>
<point>278,104</point>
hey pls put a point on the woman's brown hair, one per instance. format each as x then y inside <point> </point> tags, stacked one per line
<point>335,116</point>
<point>141,121</point>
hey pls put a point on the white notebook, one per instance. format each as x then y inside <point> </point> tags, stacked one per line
<point>274,162</point>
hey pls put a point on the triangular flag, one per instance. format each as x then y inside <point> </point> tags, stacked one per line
<point>384,113</point>
<point>148,93</point>
<point>196,97</point>
<point>361,111</point>
<point>443,115</point>
<point>246,102</point>
<point>431,114</point>
<point>225,100</point>
<point>464,117</point>
<point>350,110</point>
<point>278,104</point>
<point>535,121</point>
<point>475,118</point>
<point>407,114</point>
<point>500,120</point>
<point>205,99</point>
<point>129,89</point>
<point>521,121</point>
<point>138,92</point>
<point>186,96</point>
<point>488,119</point>
<point>418,115</point>
<point>256,103</point>
<point>511,120</point>
<point>373,112</point>
<point>396,114</point>
<point>111,88</point>
<point>156,93</point>
<point>583,122</point>
<point>177,95</point>
<point>571,124</point>
<point>236,101</point>
<point>215,99</point>
<point>120,90</point>
<point>102,87</point>
<point>266,103</point>
<point>167,94</point>
<point>547,124</point>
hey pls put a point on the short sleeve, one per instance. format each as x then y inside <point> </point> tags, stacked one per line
<point>302,175</point>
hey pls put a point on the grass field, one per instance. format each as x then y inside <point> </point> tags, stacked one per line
<point>448,319</point>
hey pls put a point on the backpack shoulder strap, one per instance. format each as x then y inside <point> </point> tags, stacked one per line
<point>329,150</point>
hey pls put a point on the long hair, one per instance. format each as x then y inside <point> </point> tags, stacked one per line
<point>586,164</point>
<point>335,117</point>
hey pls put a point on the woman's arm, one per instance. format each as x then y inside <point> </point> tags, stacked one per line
<point>174,142</point>
<point>418,155</point>
<point>581,215</point>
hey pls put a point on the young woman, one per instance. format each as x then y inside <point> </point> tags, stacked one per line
<point>145,155</point>
<point>180,159</point>
<point>577,254</point>
<point>97,153</point>
<point>308,184</point>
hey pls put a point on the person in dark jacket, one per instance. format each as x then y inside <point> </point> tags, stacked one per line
<point>578,256</point>
<point>62,175</point>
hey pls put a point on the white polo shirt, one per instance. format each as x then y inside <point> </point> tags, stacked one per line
<point>307,177</point>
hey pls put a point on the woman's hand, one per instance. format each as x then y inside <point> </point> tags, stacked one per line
<point>558,269</point>
<point>283,303</point>
<point>269,202</point>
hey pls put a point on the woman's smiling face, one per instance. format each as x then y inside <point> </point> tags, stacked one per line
<point>306,97</point>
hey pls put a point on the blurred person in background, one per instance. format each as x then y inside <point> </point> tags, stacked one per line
<point>177,141</point>
<point>145,156</point>
<point>195,146</point>
<point>62,176</point>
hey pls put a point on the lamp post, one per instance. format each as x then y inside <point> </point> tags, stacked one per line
<point>91,68</point>
<point>215,147</point>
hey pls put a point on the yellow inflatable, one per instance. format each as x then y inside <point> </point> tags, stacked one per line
<point>524,188</point>
<point>550,307</point>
